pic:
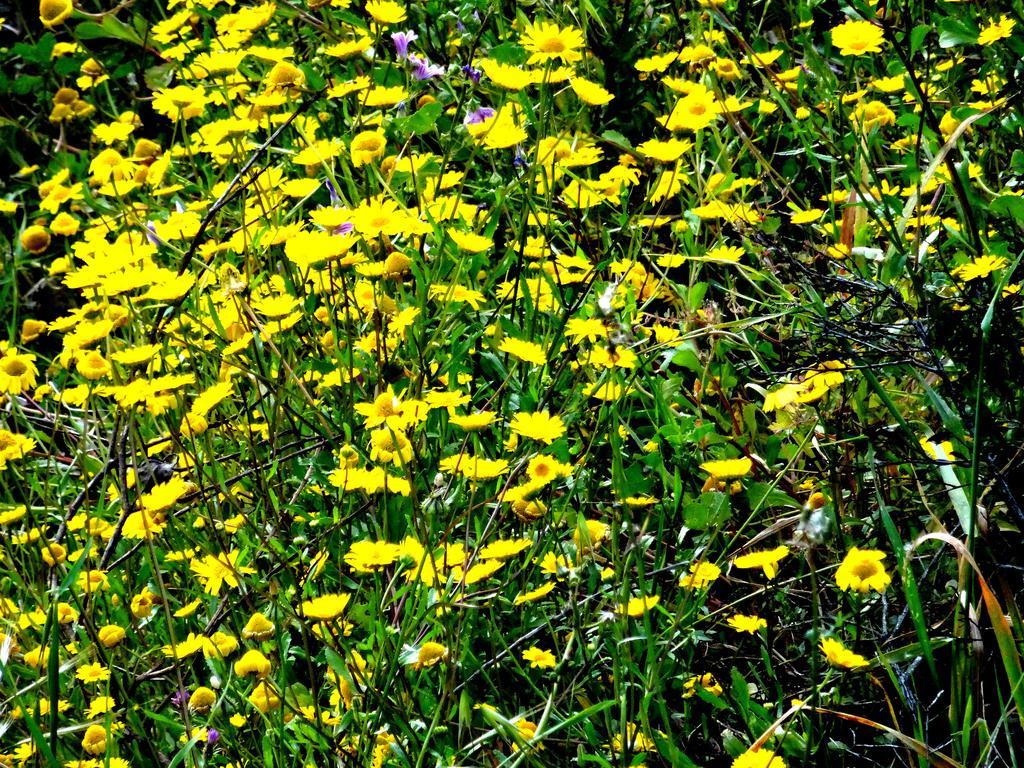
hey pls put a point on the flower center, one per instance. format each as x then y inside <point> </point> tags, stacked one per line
<point>865,570</point>
<point>15,368</point>
<point>552,45</point>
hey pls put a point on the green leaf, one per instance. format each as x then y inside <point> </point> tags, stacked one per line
<point>424,118</point>
<point>709,511</point>
<point>1009,205</point>
<point>314,80</point>
<point>109,29</point>
<point>765,496</point>
<point>953,32</point>
<point>687,356</point>
<point>509,53</point>
<point>917,36</point>
<point>27,84</point>
<point>160,76</point>
<point>39,53</point>
<point>617,139</point>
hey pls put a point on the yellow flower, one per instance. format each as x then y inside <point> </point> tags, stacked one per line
<point>701,575</point>
<point>534,594</point>
<point>767,560</point>
<point>54,12</point>
<point>285,75</point>
<point>543,469</point>
<point>500,131</point>
<point>213,571</point>
<point>183,649</point>
<point>933,449</point>
<point>366,556</point>
<point>503,549</point>
<point>259,627</point>
<point>64,224</point>
<point>840,656</point>
<point>589,92</point>
<point>95,740</point>
<point>35,239</point>
<point>164,495</point>
<point>539,658</point>
<point>144,525</point>
<point>540,426</point>
<point>589,534</point>
<point>758,758</point>
<point>743,623</point>
<point>806,216</point>
<point>388,445</point>
<point>505,75</point>
<point>470,241</point>
<point>667,151</point>
<point>982,266</point>
<point>325,607</point>
<point>110,635</point>
<point>264,697</point>
<point>92,673</point>
<point>92,366</point>
<point>428,655</point>
<point>706,681</point>
<point>697,110</point>
<point>366,147</point>
<point>17,372</point>
<point>526,351</point>
<point>862,570</point>
<point>873,114</point>
<point>100,706</point>
<point>219,645</point>
<point>31,330</point>
<point>855,38</point>
<point>996,30</point>
<point>548,43</point>
<point>638,606</point>
<point>637,740</point>
<point>728,469</point>
<point>386,12</point>
<point>202,699</point>
<point>53,554</point>
<point>252,663</point>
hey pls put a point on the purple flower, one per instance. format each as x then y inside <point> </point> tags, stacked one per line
<point>151,234</point>
<point>180,699</point>
<point>344,228</point>
<point>212,736</point>
<point>478,115</point>
<point>424,70</point>
<point>402,40</point>
<point>472,74</point>
<point>332,192</point>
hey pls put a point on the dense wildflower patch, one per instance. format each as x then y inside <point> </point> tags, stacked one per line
<point>474,384</point>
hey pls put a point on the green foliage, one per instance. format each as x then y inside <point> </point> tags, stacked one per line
<point>617,385</point>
